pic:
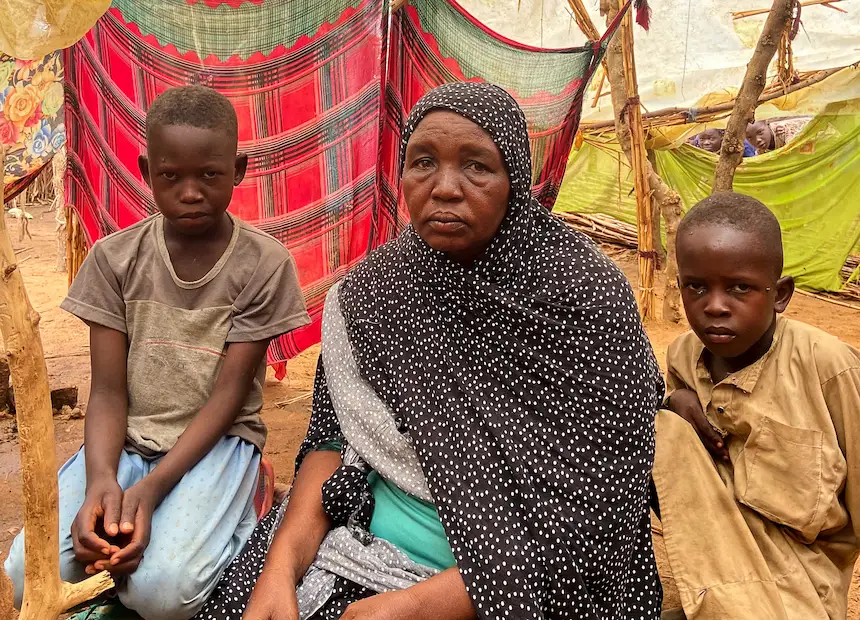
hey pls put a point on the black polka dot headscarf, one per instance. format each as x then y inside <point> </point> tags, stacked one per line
<point>528,388</point>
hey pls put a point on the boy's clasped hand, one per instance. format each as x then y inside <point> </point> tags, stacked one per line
<point>111,530</point>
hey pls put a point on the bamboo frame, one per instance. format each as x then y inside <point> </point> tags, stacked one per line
<point>826,3</point>
<point>46,596</point>
<point>668,117</point>
<point>639,161</point>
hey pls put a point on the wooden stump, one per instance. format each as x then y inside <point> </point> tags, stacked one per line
<point>7,602</point>
<point>46,596</point>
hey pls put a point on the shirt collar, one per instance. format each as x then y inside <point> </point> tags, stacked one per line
<point>746,378</point>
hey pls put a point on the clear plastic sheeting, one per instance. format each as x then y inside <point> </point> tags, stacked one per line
<point>31,29</point>
<point>694,48</point>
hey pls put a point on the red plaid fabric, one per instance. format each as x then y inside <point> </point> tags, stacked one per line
<point>306,78</point>
<point>308,119</point>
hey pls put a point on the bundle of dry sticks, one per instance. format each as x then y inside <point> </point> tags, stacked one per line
<point>606,229</point>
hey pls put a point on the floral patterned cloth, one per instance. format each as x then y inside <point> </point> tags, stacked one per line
<point>31,113</point>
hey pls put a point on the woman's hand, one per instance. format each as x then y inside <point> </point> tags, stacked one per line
<point>274,597</point>
<point>397,605</point>
<point>442,597</point>
<point>686,404</point>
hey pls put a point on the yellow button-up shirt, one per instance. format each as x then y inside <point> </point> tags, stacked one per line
<point>792,426</point>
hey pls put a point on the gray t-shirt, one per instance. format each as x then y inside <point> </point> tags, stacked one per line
<point>178,331</point>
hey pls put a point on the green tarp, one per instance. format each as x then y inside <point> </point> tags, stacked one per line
<point>812,185</point>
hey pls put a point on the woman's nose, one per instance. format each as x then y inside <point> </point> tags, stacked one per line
<point>446,185</point>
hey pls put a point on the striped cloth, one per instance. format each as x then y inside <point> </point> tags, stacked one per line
<point>306,78</point>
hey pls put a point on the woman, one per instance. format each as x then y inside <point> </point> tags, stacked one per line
<point>489,369</point>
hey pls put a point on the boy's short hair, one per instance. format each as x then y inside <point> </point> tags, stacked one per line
<point>742,213</point>
<point>193,106</point>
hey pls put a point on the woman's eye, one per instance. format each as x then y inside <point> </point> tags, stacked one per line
<point>210,174</point>
<point>423,164</point>
<point>170,176</point>
<point>478,166</point>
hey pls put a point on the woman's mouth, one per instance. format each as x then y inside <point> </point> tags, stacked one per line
<point>445,222</point>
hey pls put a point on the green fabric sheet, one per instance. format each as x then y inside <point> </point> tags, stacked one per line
<point>812,185</point>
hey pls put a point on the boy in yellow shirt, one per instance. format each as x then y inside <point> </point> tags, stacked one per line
<point>757,471</point>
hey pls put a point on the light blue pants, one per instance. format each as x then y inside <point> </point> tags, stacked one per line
<point>196,531</point>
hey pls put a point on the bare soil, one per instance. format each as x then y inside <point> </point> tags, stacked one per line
<point>286,404</point>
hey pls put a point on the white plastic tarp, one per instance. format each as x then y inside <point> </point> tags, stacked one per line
<point>694,47</point>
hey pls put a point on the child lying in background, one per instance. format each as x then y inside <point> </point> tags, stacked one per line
<point>761,510</point>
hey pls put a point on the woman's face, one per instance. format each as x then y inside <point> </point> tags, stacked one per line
<point>455,184</point>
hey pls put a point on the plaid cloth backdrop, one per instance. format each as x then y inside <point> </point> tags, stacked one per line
<point>306,78</point>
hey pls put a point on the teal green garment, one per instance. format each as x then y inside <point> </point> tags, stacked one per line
<point>411,524</point>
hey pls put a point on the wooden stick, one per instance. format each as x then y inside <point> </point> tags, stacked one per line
<point>599,92</point>
<point>668,199</point>
<point>58,169</point>
<point>639,160</point>
<point>76,244</point>
<point>744,14</point>
<point>46,596</point>
<point>829,300</point>
<point>684,116</point>
<point>583,20</point>
<point>732,151</point>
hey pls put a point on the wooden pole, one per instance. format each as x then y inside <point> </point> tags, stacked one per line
<point>46,596</point>
<point>826,3</point>
<point>58,167</point>
<point>755,80</point>
<point>639,160</point>
<point>668,199</point>
<point>681,116</point>
<point>76,244</point>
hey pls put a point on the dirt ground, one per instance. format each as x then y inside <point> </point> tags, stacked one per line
<point>287,404</point>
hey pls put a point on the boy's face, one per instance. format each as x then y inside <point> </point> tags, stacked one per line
<point>760,136</point>
<point>192,172</point>
<point>711,140</point>
<point>730,288</point>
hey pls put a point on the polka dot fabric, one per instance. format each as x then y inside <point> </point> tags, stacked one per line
<point>528,388</point>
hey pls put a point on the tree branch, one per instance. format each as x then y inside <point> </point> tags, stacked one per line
<point>755,80</point>
<point>45,594</point>
<point>683,116</point>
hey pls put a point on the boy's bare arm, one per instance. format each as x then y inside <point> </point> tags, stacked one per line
<point>104,437</point>
<point>215,418</point>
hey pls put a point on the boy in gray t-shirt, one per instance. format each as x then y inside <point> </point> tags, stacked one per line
<point>181,308</point>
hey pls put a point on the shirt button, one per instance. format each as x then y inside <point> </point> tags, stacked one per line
<point>720,410</point>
